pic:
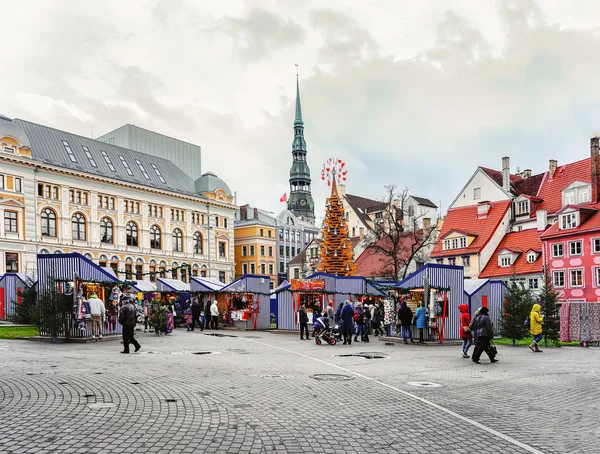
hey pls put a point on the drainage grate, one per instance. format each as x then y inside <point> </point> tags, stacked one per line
<point>219,335</point>
<point>135,383</point>
<point>170,400</point>
<point>89,395</point>
<point>191,353</point>
<point>332,377</point>
<point>424,384</point>
<point>366,355</point>
<point>98,373</point>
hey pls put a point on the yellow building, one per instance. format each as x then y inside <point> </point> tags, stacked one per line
<point>255,243</point>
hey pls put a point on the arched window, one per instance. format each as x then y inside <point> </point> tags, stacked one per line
<point>78,226</point>
<point>155,241</point>
<point>106,230</point>
<point>131,234</point>
<point>198,243</point>
<point>177,241</point>
<point>48,222</point>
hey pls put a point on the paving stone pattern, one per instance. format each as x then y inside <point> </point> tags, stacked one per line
<point>257,393</point>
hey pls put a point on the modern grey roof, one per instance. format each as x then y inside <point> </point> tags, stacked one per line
<point>47,147</point>
<point>10,129</point>
<point>209,182</point>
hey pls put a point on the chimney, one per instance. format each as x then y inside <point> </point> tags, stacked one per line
<point>361,233</point>
<point>244,213</point>
<point>595,171</point>
<point>255,213</point>
<point>551,168</point>
<point>341,189</point>
<point>526,174</point>
<point>426,227</point>
<point>542,220</point>
<point>506,173</point>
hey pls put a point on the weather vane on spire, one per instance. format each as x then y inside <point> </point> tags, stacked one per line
<point>296,69</point>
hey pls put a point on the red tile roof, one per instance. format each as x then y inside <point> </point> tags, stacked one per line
<point>519,185</point>
<point>520,243</point>
<point>590,221</point>
<point>466,217</point>
<point>375,264</point>
<point>550,190</point>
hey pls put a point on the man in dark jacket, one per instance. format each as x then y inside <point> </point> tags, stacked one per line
<point>482,326</point>
<point>405,316</point>
<point>376,322</point>
<point>365,319</point>
<point>347,315</point>
<point>303,319</point>
<point>195,307</point>
<point>127,318</point>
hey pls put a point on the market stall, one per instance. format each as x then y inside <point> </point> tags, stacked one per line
<point>173,293</point>
<point>206,288</point>
<point>246,302</point>
<point>11,286</point>
<point>73,278</point>
<point>486,293</point>
<point>441,289</point>
<point>579,322</point>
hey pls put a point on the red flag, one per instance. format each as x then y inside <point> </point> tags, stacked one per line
<point>283,198</point>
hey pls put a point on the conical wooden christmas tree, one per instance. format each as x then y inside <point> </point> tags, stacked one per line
<point>337,256</point>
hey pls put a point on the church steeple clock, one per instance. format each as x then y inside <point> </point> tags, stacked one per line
<point>300,202</point>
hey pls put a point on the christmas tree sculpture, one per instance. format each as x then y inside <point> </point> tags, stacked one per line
<point>336,249</point>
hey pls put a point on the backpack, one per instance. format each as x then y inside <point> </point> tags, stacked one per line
<point>356,316</point>
<point>526,322</point>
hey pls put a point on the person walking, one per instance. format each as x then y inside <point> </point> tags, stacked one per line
<point>365,319</point>
<point>376,321</point>
<point>421,317</point>
<point>357,318</point>
<point>98,312</point>
<point>207,305</point>
<point>214,315</point>
<point>405,316</point>
<point>303,319</point>
<point>535,328</point>
<point>127,318</point>
<point>338,313</point>
<point>347,315</point>
<point>195,309</point>
<point>484,334</point>
<point>465,331</point>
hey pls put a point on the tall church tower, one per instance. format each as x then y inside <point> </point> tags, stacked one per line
<point>300,202</point>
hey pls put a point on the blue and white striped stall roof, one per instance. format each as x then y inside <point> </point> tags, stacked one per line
<point>283,286</point>
<point>205,284</point>
<point>64,267</point>
<point>171,285</point>
<point>347,285</point>
<point>249,283</point>
<point>144,286</point>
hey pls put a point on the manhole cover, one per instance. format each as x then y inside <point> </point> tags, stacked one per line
<point>366,355</point>
<point>219,335</point>
<point>424,384</point>
<point>135,383</point>
<point>98,405</point>
<point>170,400</point>
<point>332,377</point>
<point>97,373</point>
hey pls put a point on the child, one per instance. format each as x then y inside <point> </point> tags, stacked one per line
<point>202,321</point>
<point>187,315</point>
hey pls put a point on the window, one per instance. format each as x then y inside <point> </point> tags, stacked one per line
<point>10,222</point>
<point>69,151</point>
<point>198,243</point>
<point>2,184</point>
<point>224,223</point>
<point>86,150</point>
<point>281,251</point>
<point>262,251</point>
<point>440,261</point>
<point>177,240</point>
<point>262,232</point>
<point>531,257</point>
<point>106,230</point>
<point>160,177</point>
<point>463,242</point>
<point>252,268</point>
<point>476,193</point>
<point>596,245</point>
<point>152,270</point>
<point>139,272</point>
<point>466,261</point>
<point>216,221</point>
<point>454,243</point>
<point>11,262</point>
<point>132,207</point>
<point>597,277</point>
<point>131,234</point>
<point>522,207</point>
<point>533,284</point>
<point>126,165</point>
<point>570,197</point>
<point>583,196</point>
<point>251,251</point>
<point>244,251</point>
<point>281,267</point>
<point>222,276</point>
<point>558,278</point>
<point>141,167</point>
<point>575,248</point>
<point>78,226</point>
<point>48,223</point>
<point>568,221</point>
<point>296,273</point>
<point>263,269</point>
<point>108,161</point>
<point>452,261</point>
<point>558,250</point>
<point>184,274</point>
<point>269,233</point>
<point>287,235</point>
<point>18,185</point>
<point>287,251</point>
<point>128,271</point>
<point>9,150</point>
<point>271,269</point>
<point>576,278</point>
<point>281,234</point>
<point>271,252</point>
<point>505,261</point>
<point>155,237</point>
<point>222,250</point>
<point>245,268</point>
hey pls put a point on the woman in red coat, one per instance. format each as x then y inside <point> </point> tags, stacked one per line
<point>465,332</point>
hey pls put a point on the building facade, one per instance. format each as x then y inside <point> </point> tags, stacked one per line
<point>255,243</point>
<point>293,235</point>
<point>131,211</point>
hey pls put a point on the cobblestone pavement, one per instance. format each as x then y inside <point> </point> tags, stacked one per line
<point>263,392</point>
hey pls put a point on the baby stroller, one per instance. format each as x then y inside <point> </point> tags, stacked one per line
<point>323,331</point>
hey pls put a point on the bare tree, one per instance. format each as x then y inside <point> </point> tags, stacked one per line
<point>400,235</point>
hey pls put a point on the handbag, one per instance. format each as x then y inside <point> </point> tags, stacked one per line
<point>493,350</point>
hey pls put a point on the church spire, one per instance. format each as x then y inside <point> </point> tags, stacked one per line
<point>298,119</point>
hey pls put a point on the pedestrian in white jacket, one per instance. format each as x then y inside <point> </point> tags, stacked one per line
<point>214,315</point>
<point>97,311</point>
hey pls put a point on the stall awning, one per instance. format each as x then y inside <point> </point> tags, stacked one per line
<point>283,286</point>
<point>144,286</point>
<point>249,283</point>
<point>348,285</point>
<point>171,285</point>
<point>205,284</point>
<point>472,285</point>
<point>64,267</point>
<point>109,270</point>
<point>442,277</point>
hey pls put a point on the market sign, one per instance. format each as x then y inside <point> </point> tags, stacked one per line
<point>301,285</point>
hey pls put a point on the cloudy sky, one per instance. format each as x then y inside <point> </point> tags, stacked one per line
<point>408,93</point>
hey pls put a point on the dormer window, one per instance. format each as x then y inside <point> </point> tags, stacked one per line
<point>522,207</point>
<point>531,257</point>
<point>576,193</point>
<point>505,261</point>
<point>455,243</point>
<point>482,210</point>
<point>569,221</point>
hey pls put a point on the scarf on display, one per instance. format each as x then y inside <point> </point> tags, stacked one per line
<point>565,322</point>
<point>586,323</point>
<point>575,321</point>
<point>595,320</point>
